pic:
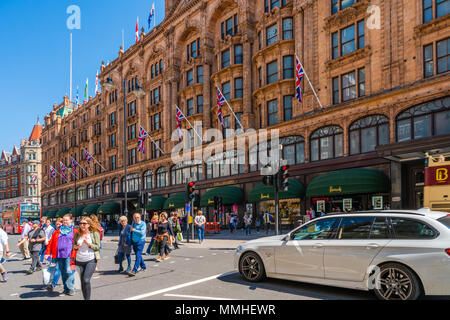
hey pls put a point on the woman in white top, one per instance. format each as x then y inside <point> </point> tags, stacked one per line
<point>3,244</point>
<point>86,243</point>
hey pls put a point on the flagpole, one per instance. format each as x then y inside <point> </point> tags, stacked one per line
<point>154,142</point>
<point>240,124</point>
<point>97,163</point>
<point>60,174</point>
<point>80,166</point>
<point>43,182</point>
<point>70,68</point>
<point>310,84</point>
<point>189,123</point>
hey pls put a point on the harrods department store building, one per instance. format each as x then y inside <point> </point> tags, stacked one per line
<point>382,75</point>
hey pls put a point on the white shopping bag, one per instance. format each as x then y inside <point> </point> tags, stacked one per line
<point>47,275</point>
<point>77,278</point>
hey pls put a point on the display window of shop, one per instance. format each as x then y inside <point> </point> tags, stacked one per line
<point>350,203</point>
<point>425,120</point>
<point>115,185</point>
<point>185,172</point>
<point>327,143</point>
<point>368,133</point>
<point>161,177</point>
<point>105,188</point>
<point>225,164</point>
<point>134,182</point>
<point>290,210</point>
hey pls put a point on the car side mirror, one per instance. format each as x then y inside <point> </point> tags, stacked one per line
<point>286,238</point>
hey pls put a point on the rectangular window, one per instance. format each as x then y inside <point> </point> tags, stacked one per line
<point>361,41</point>
<point>334,6</point>
<point>132,156</point>
<point>226,90</point>
<point>442,8</point>
<point>272,72</point>
<point>153,71</point>
<point>156,95</point>
<point>288,29</point>
<point>225,58</point>
<point>361,82</point>
<point>238,54</point>
<point>287,106</point>
<point>194,52</point>
<point>272,112</point>
<point>260,77</point>
<point>288,67</point>
<point>200,74</point>
<point>336,90</point>
<point>200,104</point>
<point>236,24</point>
<point>190,107</point>
<point>156,121</point>
<point>132,132</point>
<point>238,88</point>
<point>348,40</point>
<point>190,77</point>
<point>348,86</point>
<point>112,163</point>
<point>335,45</point>
<point>239,116</point>
<point>259,40</point>
<point>222,30</point>
<point>132,108</point>
<point>443,54</point>
<point>229,27</point>
<point>428,63</point>
<point>226,125</point>
<point>271,35</point>
<point>161,66</point>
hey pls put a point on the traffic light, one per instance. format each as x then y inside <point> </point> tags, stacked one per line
<point>190,191</point>
<point>284,178</point>
<point>268,180</point>
<point>148,198</point>
<point>142,199</point>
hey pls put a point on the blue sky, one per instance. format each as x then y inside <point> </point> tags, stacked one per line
<point>34,53</point>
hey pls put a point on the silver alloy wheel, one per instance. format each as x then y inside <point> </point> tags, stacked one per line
<point>394,284</point>
<point>250,267</point>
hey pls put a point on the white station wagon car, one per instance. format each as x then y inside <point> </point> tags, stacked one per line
<point>398,254</point>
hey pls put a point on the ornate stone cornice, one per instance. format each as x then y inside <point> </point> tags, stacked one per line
<point>438,24</point>
<point>349,58</point>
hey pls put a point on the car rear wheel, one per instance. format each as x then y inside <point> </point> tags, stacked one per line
<point>251,267</point>
<point>397,282</point>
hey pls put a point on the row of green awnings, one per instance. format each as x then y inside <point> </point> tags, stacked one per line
<point>178,201</point>
<point>264,193</point>
<point>156,203</point>
<point>109,208</point>
<point>230,195</point>
<point>348,182</point>
<point>78,212</point>
<point>90,209</point>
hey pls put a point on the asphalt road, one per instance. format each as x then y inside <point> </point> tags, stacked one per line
<point>195,272</point>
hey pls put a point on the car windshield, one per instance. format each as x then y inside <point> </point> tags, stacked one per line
<point>445,221</point>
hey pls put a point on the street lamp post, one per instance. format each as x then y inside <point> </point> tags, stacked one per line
<point>139,93</point>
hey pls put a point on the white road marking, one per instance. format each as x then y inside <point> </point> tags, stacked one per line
<point>172,262</point>
<point>96,278</point>
<point>187,259</point>
<point>188,284</point>
<point>14,294</point>
<point>195,297</point>
<point>201,256</point>
<point>214,254</point>
<point>156,265</point>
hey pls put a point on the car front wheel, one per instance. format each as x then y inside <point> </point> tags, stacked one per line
<point>251,267</point>
<point>397,282</point>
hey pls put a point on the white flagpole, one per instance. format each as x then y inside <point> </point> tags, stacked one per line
<point>78,165</point>
<point>190,124</point>
<point>310,84</point>
<point>154,141</point>
<point>60,174</point>
<point>97,163</point>
<point>240,124</point>
<point>37,179</point>
<point>70,68</point>
<point>154,15</point>
<point>70,170</point>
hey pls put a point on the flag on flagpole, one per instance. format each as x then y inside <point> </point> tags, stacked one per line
<point>34,180</point>
<point>52,173</point>
<point>96,82</point>
<point>63,170</point>
<point>137,29</point>
<point>74,166</point>
<point>88,157</point>
<point>86,89</point>
<point>151,16</point>
<point>142,135</point>
<point>180,116</point>
<point>220,102</point>
<point>300,73</point>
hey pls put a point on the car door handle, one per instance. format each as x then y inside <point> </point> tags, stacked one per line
<point>317,245</point>
<point>372,246</point>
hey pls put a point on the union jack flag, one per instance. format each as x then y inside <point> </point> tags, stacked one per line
<point>52,173</point>
<point>63,170</point>
<point>34,180</point>
<point>88,157</point>
<point>220,102</point>
<point>142,135</point>
<point>300,73</point>
<point>180,116</point>
<point>74,166</point>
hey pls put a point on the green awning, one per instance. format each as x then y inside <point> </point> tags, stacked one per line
<point>45,214</point>
<point>156,203</point>
<point>61,212</point>
<point>52,213</point>
<point>263,193</point>
<point>178,201</point>
<point>109,208</point>
<point>77,213</point>
<point>230,195</point>
<point>346,182</point>
<point>90,209</point>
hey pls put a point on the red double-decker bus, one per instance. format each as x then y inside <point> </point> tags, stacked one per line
<point>13,219</point>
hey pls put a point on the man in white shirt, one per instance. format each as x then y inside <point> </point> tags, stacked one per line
<point>25,244</point>
<point>4,245</point>
<point>200,222</point>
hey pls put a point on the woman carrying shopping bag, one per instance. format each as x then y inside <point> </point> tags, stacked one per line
<point>164,237</point>
<point>125,245</point>
<point>86,243</point>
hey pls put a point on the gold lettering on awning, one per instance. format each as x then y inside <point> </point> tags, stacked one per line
<point>335,189</point>
<point>265,196</point>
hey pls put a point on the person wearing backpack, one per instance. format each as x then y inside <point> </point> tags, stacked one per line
<point>35,238</point>
<point>152,230</point>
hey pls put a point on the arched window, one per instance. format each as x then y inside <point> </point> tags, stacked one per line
<point>225,164</point>
<point>115,186</point>
<point>45,201</point>
<point>64,197</point>
<point>185,172</point>
<point>97,190</point>
<point>81,193</point>
<point>148,180</point>
<point>327,143</point>
<point>425,120</point>
<point>122,184</point>
<point>161,178</point>
<point>90,192</point>
<point>105,188</point>
<point>134,182</point>
<point>368,133</point>
<point>70,196</point>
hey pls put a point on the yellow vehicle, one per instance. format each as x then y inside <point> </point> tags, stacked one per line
<point>437,183</point>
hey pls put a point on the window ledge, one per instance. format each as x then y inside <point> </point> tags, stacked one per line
<point>434,25</point>
<point>349,58</point>
<point>346,16</point>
